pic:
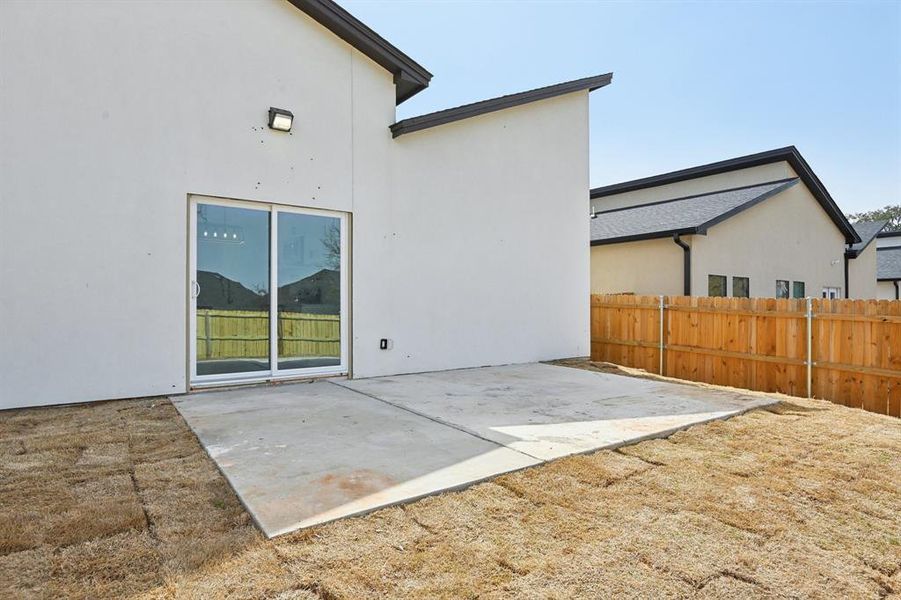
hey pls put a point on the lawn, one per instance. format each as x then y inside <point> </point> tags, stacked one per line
<point>801,499</point>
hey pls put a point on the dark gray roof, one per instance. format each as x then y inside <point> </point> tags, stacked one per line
<point>888,263</point>
<point>788,154</point>
<point>409,76</point>
<point>867,230</point>
<point>688,215</point>
<point>486,106</point>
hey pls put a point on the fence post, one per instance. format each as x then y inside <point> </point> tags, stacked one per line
<point>809,348</point>
<point>661,335</point>
<point>209,334</point>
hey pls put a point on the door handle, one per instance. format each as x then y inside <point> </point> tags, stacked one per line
<point>195,289</point>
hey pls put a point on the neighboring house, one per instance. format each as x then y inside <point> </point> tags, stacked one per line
<point>861,259</point>
<point>163,229</point>
<point>888,265</point>
<point>759,225</point>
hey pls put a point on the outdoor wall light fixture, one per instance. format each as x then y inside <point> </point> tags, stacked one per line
<point>280,119</point>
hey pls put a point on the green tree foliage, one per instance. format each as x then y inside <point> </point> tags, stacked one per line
<point>892,212</point>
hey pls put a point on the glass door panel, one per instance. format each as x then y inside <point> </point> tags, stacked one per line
<point>232,287</point>
<point>309,290</point>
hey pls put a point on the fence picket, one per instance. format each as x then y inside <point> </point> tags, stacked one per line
<point>760,344</point>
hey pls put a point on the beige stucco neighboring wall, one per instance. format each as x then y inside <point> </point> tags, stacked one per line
<point>862,274</point>
<point>701,185</point>
<point>643,267</point>
<point>788,236</point>
<point>885,290</point>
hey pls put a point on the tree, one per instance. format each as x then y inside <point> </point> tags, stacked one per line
<point>331,242</point>
<point>890,212</point>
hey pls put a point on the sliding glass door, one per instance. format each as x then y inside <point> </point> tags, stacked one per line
<point>241,253</point>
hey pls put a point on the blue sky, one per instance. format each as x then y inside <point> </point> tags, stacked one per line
<point>693,82</point>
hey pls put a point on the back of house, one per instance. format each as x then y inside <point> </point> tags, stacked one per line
<point>211,193</point>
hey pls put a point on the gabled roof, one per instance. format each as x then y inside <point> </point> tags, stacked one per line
<point>888,263</point>
<point>486,106</point>
<point>788,154</point>
<point>409,76</point>
<point>682,216</point>
<point>867,230</point>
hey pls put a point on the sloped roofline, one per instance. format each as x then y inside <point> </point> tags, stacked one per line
<point>856,250</point>
<point>703,227</point>
<point>788,154</point>
<point>410,77</point>
<point>449,115</point>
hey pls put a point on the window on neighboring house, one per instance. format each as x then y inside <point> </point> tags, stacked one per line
<point>797,289</point>
<point>832,292</point>
<point>716,285</point>
<point>782,288</point>
<point>741,286</point>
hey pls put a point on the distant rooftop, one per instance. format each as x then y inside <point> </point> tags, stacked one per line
<point>867,230</point>
<point>888,263</point>
<point>687,215</point>
<point>788,154</point>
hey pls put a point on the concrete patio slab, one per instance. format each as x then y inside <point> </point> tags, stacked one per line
<point>549,411</point>
<point>302,454</point>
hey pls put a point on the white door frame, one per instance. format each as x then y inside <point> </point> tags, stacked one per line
<point>274,373</point>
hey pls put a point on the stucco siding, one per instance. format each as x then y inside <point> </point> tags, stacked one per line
<point>644,267</point>
<point>112,114</point>
<point>468,240</point>
<point>482,245</point>
<point>700,185</point>
<point>788,237</point>
<point>862,274</point>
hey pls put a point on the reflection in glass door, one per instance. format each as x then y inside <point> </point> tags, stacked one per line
<point>232,286</point>
<point>309,291</point>
<point>240,252</point>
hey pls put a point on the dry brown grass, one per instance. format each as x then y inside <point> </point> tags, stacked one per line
<point>800,500</point>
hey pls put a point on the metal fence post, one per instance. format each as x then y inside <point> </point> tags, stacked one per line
<point>661,335</point>
<point>809,348</point>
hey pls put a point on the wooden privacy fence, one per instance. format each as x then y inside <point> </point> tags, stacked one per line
<point>245,334</point>
<point>846,351</point>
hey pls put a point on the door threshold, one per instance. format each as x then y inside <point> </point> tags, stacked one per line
<point>221,386</point>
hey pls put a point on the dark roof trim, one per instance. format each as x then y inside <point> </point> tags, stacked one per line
<point>788,154</point>
<point>702,228</point>
<point>888,248</point>
<point>487,106</point>
<point>888,234</point>
<point>409,76</point>
<point>653,235</point>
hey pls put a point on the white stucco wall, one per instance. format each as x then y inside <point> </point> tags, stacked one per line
<point>788,236</point>
<point>644,267</point>
<point>885,290</point>
<point>862,274</point>
<point>483,244</point>
<point>700,185</point>
<point>111,114</point>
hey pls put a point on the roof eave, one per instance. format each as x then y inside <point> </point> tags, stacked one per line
<point>482,107</point>
<point>410,77</point>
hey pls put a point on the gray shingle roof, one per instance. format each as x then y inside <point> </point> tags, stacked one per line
<point>867,231</point>
<point>693,214</point>
<point>888,263</point>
